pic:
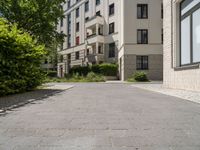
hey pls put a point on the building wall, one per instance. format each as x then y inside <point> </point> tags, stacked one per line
<point>129,47</point>
<point>175,77</point>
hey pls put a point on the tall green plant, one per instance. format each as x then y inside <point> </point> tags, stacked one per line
<point>20,57</point>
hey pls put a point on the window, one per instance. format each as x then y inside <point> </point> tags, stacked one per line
<point>98,2</point>
<point>190,32</point>
<point>78,1</point>
<point>111,28</point>
<point>142,62</point>
<point>88,52</point>
<point>100,50</point>
<point>142,36</point>
<point>68,4</point>
<point>111,9</point>
<point>77,27</point>
<point>61,58</point>
<point>69,57</point>
<point>162,36</point>
<point>162,11</point>
<point>77,40</point>
<point>77,12</point>
<point>77,55</point>
<point>86,19</point>
<point>87,6</point>
<point>69,30</point>
<point>61,22</point>
<point>111,50</point>
<point>98,13</point>
<point>142,11</point>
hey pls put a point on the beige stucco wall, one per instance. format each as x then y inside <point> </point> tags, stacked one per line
<point>188,79</point>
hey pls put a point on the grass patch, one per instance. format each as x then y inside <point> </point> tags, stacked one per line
<point>90,77</point>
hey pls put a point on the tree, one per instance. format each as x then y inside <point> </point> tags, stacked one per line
<point>37,17</point>
<point>20,57</point>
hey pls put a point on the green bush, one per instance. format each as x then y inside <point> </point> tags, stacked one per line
<point>20,57</point>
<point>93,77</point>
<point>81,70</point>
<point>103,69</point>
<point>108,69</point>
<point>95,69</point>
<point>52,74</point>
<point>140,76</point>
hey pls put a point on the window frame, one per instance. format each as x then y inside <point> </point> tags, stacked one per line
<point>142,8</point>
<point>87,4</point>
<point>142,30</point>
<point>189,13</point>
<point>77,55</point>
<point>113,29</point>
<point>111,13</point>
<point>142,62</point>
<point>112,55</point>
<point>98,2</point>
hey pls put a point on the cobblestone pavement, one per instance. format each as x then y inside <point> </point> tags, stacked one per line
<point>103,116</point>
<point>158,87</point>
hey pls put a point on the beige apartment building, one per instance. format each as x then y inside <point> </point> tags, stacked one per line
<point>126,32</point>
<point>182,44</point>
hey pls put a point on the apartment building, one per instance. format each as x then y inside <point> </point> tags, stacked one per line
<point>182,44</point>
<point>127,32</point>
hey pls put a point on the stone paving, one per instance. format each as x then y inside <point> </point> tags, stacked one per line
<point>102,116</point>
<point>158,87</point>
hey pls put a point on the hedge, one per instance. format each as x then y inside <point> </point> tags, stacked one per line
<point>20,57</point>
<point>103,69</point>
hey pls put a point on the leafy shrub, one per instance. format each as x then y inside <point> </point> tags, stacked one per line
<point>95,69</point>
<point>81,70</point>
<point>52,74</point>
<point>93,77</point>
<point>20,57</point>
<point>140,76</point>
<point>108,69</point>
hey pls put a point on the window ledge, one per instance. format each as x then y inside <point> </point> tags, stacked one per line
<point>188,67</point>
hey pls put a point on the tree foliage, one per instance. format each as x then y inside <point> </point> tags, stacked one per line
<point>20,57</point>
<point>37,17</point>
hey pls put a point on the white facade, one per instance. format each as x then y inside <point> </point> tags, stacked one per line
<point>96,43</point>
<point>182,44</point>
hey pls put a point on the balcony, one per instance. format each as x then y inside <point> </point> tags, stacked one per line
<point>94,38</point>
<point>94,20</point>
<point>95,58</point>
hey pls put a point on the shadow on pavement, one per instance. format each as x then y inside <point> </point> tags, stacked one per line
<point>19,100</point>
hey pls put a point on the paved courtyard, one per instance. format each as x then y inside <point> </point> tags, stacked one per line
<point>103,116</point>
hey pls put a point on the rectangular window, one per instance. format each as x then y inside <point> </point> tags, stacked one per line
<point>111,28</point>
<point>68,4</point>
<point>86,19</point>
<point>142,62</point>
<point>98,13</point>
<point>100,50</point>
<point>98,2</point>
<point>142,11</point>
<point>87,6</point>
<point>77,55</point>
<point>77,12</point>
<point>61,22</point>
<point>111,9</point>
<point>190,32</point>
<point>142,36</point>
<point>77,27</point>
<point>69,30</point>
<point>111,50</point>
<point>69,57</point>
<point>162,11</point>
<point>77,40</point>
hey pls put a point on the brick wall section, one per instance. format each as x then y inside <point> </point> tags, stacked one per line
<point>155,71</point>
<point>184,79</point>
